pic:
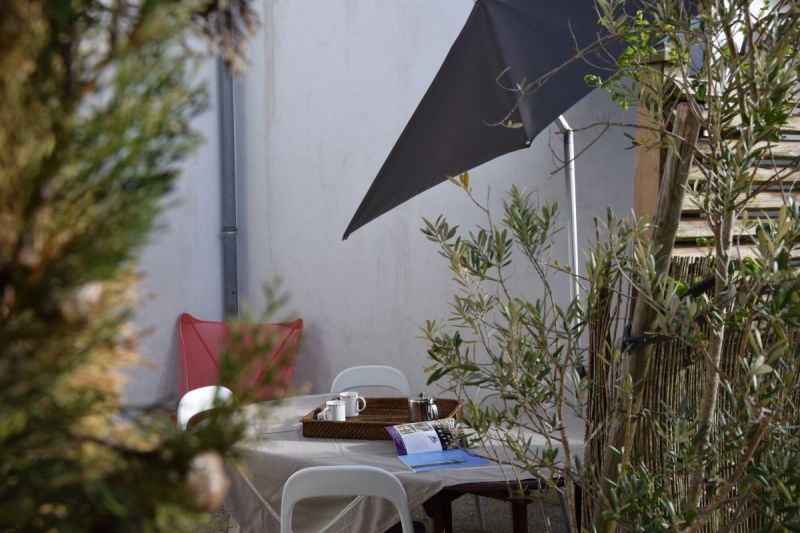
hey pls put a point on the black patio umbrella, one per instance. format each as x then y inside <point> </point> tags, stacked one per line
<point>454,128</point>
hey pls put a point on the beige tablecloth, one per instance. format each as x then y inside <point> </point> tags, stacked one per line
<point>275,449</point>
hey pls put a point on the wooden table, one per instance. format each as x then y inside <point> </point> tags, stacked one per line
<point>275,449</point>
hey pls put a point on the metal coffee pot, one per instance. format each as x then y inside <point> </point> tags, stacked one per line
<point>422,408</point>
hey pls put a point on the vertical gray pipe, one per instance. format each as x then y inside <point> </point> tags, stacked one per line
<point>227,142</point>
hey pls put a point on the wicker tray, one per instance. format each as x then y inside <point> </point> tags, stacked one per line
<point>370,424</point>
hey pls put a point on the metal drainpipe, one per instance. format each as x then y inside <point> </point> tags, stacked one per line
<point>227,144</point>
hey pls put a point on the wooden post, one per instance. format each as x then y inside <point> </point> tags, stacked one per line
<point>648,153</point>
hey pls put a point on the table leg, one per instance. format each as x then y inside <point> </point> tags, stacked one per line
<point>439,509</point>
<point>519,517</point>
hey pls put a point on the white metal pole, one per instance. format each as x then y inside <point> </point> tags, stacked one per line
<point>572,231</point>
<point>572,222</point>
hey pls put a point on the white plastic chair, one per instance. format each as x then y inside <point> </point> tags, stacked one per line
<point>199,401</point>
<point>343,481</point>
<point>371,376</point>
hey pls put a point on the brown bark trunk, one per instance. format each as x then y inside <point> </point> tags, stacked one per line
<point>627,403</point>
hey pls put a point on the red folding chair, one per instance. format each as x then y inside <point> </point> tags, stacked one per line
<point>202,342</point>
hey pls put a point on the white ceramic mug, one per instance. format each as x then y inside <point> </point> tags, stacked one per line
<point>354,403</point>
<point>334,410</point>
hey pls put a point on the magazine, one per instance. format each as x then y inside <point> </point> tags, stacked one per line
<point>426,446</point>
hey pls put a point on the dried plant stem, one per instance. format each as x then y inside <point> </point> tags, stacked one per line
<point>730,483</point>
<point>708,401</point>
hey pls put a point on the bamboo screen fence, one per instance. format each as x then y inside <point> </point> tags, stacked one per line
<point>675,374</point>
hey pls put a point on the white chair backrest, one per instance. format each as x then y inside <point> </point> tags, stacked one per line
<point>343,481</point>
<point>371,376</point>
<point>199,401</point>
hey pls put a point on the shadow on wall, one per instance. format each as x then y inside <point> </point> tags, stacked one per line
<point>149,371</point>
<point>313,363</point>
<point>168,384</point>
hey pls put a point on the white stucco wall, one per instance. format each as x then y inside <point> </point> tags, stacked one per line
<point>182,262</point>
<point>331,86</point>
<point>329,89</point>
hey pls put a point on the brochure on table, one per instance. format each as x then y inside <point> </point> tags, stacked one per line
<point>426,446</point>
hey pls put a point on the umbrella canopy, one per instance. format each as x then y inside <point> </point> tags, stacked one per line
<point>454,128</point>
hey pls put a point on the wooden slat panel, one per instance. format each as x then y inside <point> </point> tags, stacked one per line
<point>691,229</point>
<point>779,150</point>
<point>786,167</point>
<point>690,250</point>
<point>792,125</point>
<point>744,250</point>
<point>763,201</point>
<point>762,175</point>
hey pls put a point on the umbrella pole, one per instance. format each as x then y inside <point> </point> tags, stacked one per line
<point>572,222</point>
<point>572,231</point>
